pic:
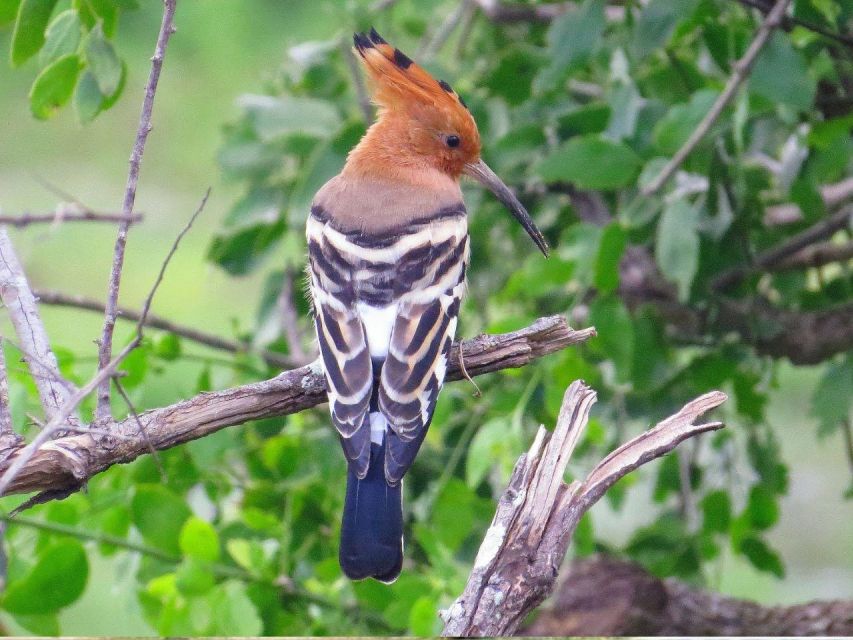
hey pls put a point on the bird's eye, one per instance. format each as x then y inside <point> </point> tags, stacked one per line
<point>453,141</point>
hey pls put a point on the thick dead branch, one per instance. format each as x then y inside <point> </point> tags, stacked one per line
<point>740,72</point>
<point>604,596</point>
<point>18,299</point>
<point>519,560</point>
<point>66,463</point>
<point>768,259</point>
<point>28,219</point>
<point>60,299</point>
<point>5,414</point>
<point>102,410</point>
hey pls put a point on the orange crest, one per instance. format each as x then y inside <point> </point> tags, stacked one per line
<point>438,122</point>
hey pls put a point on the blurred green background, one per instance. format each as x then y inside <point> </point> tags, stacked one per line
<point>220,51</point>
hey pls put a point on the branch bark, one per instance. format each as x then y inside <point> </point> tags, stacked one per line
<point>603,596</point>
<point>18,299</point>
<point>67,463</point>
<point>740,72</point>
<point>520,557</point>
<point>60,299</point>
<point>768,259</point>
<point>102,410</point>
<point>28,219</point>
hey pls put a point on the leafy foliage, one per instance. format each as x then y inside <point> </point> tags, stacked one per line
<point>239,534</point>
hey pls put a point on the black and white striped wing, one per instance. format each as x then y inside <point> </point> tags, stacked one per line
<point>346,360</point>
<point>416,363</point>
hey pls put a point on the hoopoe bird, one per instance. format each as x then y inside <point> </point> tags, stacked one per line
<point>387,251</point>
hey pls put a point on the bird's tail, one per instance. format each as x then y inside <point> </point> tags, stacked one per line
<point>372,528</point>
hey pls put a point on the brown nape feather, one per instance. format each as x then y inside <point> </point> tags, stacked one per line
<point>417,116</point>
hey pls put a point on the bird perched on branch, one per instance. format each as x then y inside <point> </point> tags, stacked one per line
<point>388,249</point>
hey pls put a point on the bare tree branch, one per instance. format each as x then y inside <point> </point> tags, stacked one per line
<point>434,41</point>
<point>833,195</point>
<point>816,255</point>
<point>63,465</point>
<point>768,259</point>
<point>19,460</point>
<point>5,414</point>
<point>788,23</point>
<point>27,219</point>
<point>102,410</point>
<point>60,299</point>
<point>19,301</point>
<point>603,596</point>
<point>520,557</point>
<point>740,71</point>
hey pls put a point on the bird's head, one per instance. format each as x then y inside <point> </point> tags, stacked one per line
<point>423,124</point>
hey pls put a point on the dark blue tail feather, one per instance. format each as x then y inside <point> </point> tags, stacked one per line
<point>372,528</point>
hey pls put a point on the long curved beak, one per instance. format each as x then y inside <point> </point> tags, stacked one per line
<point>481,172</point>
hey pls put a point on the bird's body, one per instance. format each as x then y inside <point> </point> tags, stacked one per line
<point>388,250</point>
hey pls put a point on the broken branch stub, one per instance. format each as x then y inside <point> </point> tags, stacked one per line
<point>520,557</point>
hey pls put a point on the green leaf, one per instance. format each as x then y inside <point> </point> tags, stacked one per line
<point>87,98</point>
<point>677,245</point>
<point>610,250</point>
<point>452,516</point>
<point>234,614</point>
<point>716,511</point>
<point>675,127</point>
<point>240,252</point>
<point>761,556</point>
<point>615,333</point>
<point>283,116</point>
<point>46,624</point>
<point>103,62</point>
<point>199,540</point>
<point>572,37</point>
<point>28,36</point>
<point>193,577</point>
<point>168,346</point>
<point>780,74</point>
<point>159,515</point>
<point>53,86</point>
<point>8,12</point>
<point>423,618</point>
<point>832,400</point>
<point>657,22</point>
<point>58,579</point>
<point>63,37</point>
<point>591,162</point>
<point>589,118</point>
<point>489,446</point>
<point>762,508</point>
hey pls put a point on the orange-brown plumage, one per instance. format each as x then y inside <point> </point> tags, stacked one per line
<point>417,116</point>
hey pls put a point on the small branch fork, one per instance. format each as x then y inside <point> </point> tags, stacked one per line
<point>17,461</point>
<point>65,464</point>
<point>520,557</point>
<point>740,72</point>
<point>102,410</point>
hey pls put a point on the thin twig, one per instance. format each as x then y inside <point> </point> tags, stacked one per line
<point>290,320</point>
<point>740,72</point>
<point>142,430</point>
<point>781,252</point>
<point>847,434</point>
<point>833,195</point>
<point>816,255</point>
<point>361,93</point>
<point>507,12</point>
<point>23,311</point>
<point>104,373</point>
<point>102,410</point>
<point>57,298</point>
<point>26,219</point>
